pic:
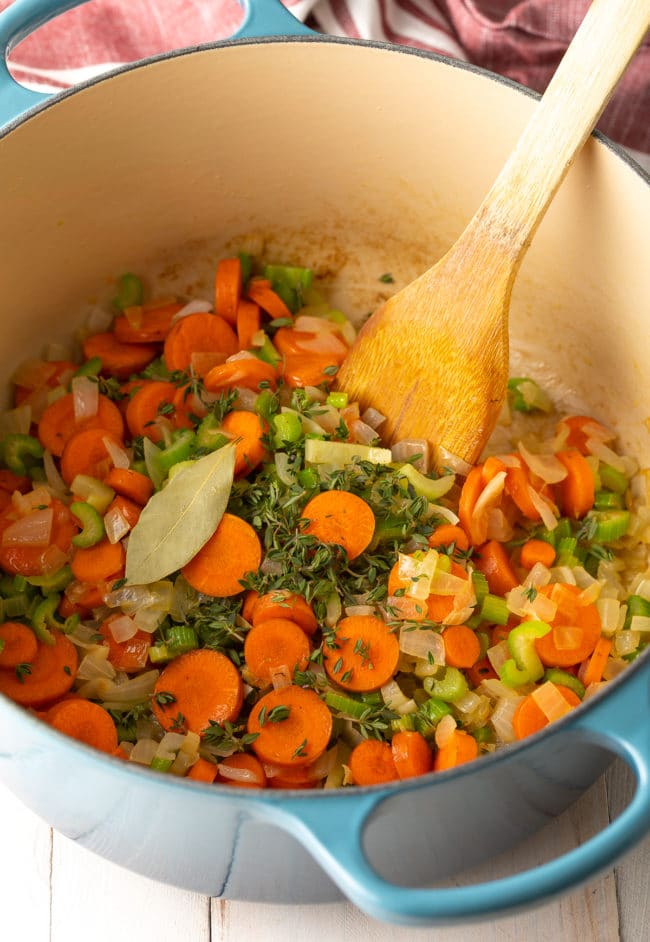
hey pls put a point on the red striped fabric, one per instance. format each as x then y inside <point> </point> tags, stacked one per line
<point>521,39</point>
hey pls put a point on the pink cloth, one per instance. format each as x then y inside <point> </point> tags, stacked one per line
<point>523,40</point>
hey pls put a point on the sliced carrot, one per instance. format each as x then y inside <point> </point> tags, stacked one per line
<point>249,323</point>
<point>153,324</point>
<point>19,644</point>
<point>260,291</point>
<point>206,686</point>
<point>537,551</point>
<point>273,644</point>
<point>491,467</point>
<point>118,359</point>
<point>203,771</point>
<point>248,430</point>
<point>247,373</point>
<point>202,333</point>
<point>86,453</point>
<point>371,763</point>
<point>517,486</point>
<point>233,551</point>
<point>280,603</point>
<point>499,633</point>
<point>459,748</point>
<point>151,401</point>
<point>298,739</point>
<point>411,754</point>
<point>492,560</point>
<point>242,762</point>
<point>309,369</point>
<point>58,424</point>
<point>85,721</point>
<point>439,607</point>
<point>188,408</point>
<point>447,534</point>
<point>99,562</point>
<point>11,482</point>
<point>130,655</point>
<point>342,518</point>
<point>53,671</point>
<point>36,560</point>
<point>529,718</point>
<point>137,487</point>
<point>363,653</point>
<point>227,288</point>
<point>469,494</point>
<point>577,491</point>
<point>585,619</point>
<point>481,670</point>
<point>577,437</point>
<point>462,647</point>
<point>593,672</point>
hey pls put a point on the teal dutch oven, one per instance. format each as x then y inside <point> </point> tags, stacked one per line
<point>368,158</point>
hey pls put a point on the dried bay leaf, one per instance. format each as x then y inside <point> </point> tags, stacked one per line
<point>181,518</point>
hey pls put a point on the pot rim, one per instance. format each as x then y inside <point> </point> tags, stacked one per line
<point>316,38</point>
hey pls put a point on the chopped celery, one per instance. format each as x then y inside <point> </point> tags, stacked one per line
<point>308,479</point>
<point>160,653</point>
<point>268,353</point>
<point>246,263</point>
<point>338,400</point>
<point>340,454</point>
<point>450,687</point>
<point>636,605</point>
<point>161,765</point>
<point>93,492</point>
<point>287,427</point>
<point>92,524</point>
<point>566,551</point>
<point>405,723</point>
<point>20,452</point>
<point>609,525</point>
<point>16,606</point>
<point>432,489</point>
<point>612,479</point>
<point>181,639</point>
<point>494,610</point>
<point>565,679</point>
<point>44,618</point>
<point>91,367</point>
<point>429,715</point>
<point>343,704</point>
<point>608,500</point>
<point>527,396</point>
<point>54,581</point>
<point>267,405</point>
<point>129,291</point>
<point>209,435</point>
<point>524,666</point>
<point>480,584</point>
<point>291,283</point>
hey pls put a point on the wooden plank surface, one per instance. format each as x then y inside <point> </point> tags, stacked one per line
<point>55,891</point>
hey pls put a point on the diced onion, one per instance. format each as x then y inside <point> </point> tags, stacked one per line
<point>498,526</point>
<point>363,433</point>
<point>418,573</point>
<point>353,611</point>
<point>246,399</point>
<point>409,447</point>
<point>283,468</point>
<point>96,664</point>
<point>280,676</point>
<point>468,703</point>
<point>445,583</point>
<point>32,500</point>
<point>614,667</point>
<point>236,774</point>
<point>197,306</point>
<point>447,460</point>
<point>144,751</point>
<point>34,529</point>
<point>547,467</point>
<point>604,453</point>
<point>498,654</point>
<point>609,610</point>
<point>445,730</point>
<point>447,514</point>
<point>539,575</point>
<point>305,322</point>
<point>550,701</point>
<point>52,559</point>
<point>640,623</point>
<point>171,742</point>
<point>543,509</point>
<point>118,455</point>
<point>116,525</point>
<point>395,699</point>
<point>502,717</point>
<point>625,642</point>
<point>563,574</point>
<point>122,628</point>
<point>98,319</point>
<point>85,397</point>
<point>496,689</point>
<point>54,480</point>
<point>373,417</point>
<point>422,643</point>
<point>16,421</point>
<point>489,497</point>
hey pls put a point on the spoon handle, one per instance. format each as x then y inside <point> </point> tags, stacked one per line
<point>606,40</point>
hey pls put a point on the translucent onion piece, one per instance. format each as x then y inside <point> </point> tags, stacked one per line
<point>547,467</point>
<point>510,461</point>
<point>540,608</point>
<point>446,513</point>
<point>614,667</point>
<point>640,624</point>
<point>32,500</point>
<point>538,576</point>
<point>595,430</point>
<point>18,421</point>
<point>281,677</point>
<point>354,610</point>
<point>594,689</point>
<point>197,306</point>
<point>137,688</point>
<point>445,583</point>
<point>85,397</point>
<point>498,526</point>
<point>468,703</point>
<point>589,594</point>
<point>33,373</point>
<point>422,642</point>
<point>458,617</point>
<point>447,460</point>
<point>333,610</point>
<point>116,525</point>
<point>609,610</point>
<point>235,774</point>
<point>418,573</point>
<point>315,324</point>
<point>53,559</point>
<point>489,497</point>
<point>118,456</point>
<point>307,424</point>
<point>408,448</point>
<point>393,696</point>
<point>563,574</point>
<point>324,764</point>
<point>363,433</point>
<point>171,742</point>
<point>98,319</point>
<point>144,751</point>
<point>327,417</point>
<point>625,642</point>
<point>550,701</point>
<point>34,529</point>
<point>258,339</point>
<point>148,619</point>
<point>567,637</point>
<point>246,399</point>
<point>543,509</point>
<point>497,690</point>
<point>373,418</point>
<point>284,469</point>
<point>96,664</point>
<point>54,480</point>
<point>122,628</point>
<point>498,654</point>
<point>315,394</point>
<point>604,453</point>
<point>501,718</point>
<point>445,730</point>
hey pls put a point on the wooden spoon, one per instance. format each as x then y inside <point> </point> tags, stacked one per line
<point>434,358</point>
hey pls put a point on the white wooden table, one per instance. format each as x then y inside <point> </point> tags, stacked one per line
<point>52,890</point>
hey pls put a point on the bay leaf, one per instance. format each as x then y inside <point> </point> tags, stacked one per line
<point>181,518</point>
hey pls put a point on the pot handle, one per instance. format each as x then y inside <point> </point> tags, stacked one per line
<point>333,832</point>
<point>261,18</point>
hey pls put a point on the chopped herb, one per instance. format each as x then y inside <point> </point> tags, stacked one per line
<point>178,724</point>
<point>163,698</point>
<point>301,751</point>
<point>387,278</point>
<point>22,671</point>
<point>66,669</point>
<point>531,593</point>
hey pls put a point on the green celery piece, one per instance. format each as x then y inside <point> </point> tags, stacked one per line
<point>92,525</point>
<point>494,610</point>
<point>181,639</point>
<point>20,452</point>
<point>450,687</point>
<point>91,367</point>
<point>129,291</point>
<point>343,704</point>
<point>608,500</point>
<point>268,353</point>
<point>557,676</point>
<point>611,525</point>
<point>287,427</point>
<point>525,665</point>
<point>612,479</point>
<point>432,489</point>
<point>290,283</point>
<point>44,618</point>
<point>53,582</point>
<point>527,396</point>
<point>209,435</point>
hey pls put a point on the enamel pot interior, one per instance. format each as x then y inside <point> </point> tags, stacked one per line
<point>357,160</point>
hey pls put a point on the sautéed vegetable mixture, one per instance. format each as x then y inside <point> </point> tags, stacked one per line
<point>210,564</point>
